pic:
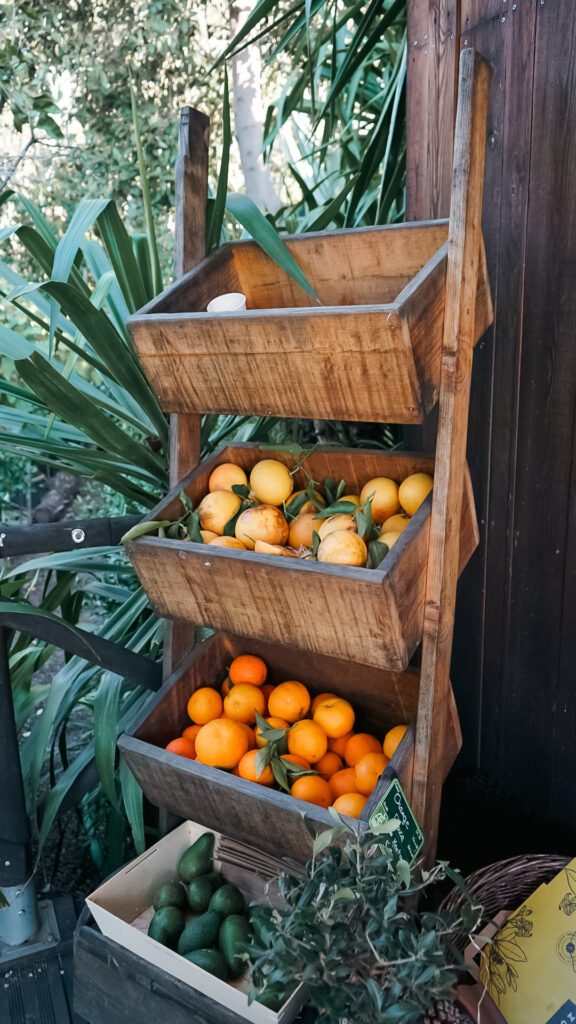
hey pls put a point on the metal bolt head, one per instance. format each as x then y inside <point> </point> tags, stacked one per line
<point>78,536</point>
<point>7,863</point>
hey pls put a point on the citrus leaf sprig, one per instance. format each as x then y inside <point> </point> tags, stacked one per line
<point>276,745</point>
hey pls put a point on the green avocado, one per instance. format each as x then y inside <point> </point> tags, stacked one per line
<point>167,926</point>
<point>233,938</point>
<point>200,933</point>
<point>197,859</point>
<point>209,960</point>
<point>199,893</point>
<point>228,900</point>
<point>171,894</point>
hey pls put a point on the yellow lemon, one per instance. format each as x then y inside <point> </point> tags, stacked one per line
<point>265,522</point>
<point>227,476</point>
<point>413,490</point>
<point>271,482</point>
<point>384,493</point>
<point>217,509</point>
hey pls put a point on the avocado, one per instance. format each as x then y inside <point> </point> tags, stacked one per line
<point>199,893</point>
<point>216,879</point>
<point>200,933</point>
<point>228,900</point>
<point>233,939</point>
<point>171,894</point>
<point>166,926</point>
<point>197,859</point>
<point>209,960</point>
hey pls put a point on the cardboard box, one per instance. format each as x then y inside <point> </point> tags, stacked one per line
<point>122,908</point>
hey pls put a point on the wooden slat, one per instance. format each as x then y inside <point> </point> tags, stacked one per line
<point>373,616</point>
<point>433,39</point>
<point>463,257</point>
<point>189,247</point>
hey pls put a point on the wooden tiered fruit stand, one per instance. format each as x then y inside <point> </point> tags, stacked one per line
<point>402,310</point>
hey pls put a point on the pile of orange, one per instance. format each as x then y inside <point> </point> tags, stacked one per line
<point>327,762</point>
<point>263,513</point>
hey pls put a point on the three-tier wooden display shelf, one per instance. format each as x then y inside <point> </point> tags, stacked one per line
<point>402,308</point>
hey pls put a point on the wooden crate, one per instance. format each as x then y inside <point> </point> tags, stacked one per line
<point>268,819</point>
<point>370,351</point>
<point>374,616</point>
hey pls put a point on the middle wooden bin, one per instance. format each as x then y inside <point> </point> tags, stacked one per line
<point>269,819</point>
<point>372,616</point>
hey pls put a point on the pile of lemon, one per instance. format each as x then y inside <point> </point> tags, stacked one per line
<point>269,517</point>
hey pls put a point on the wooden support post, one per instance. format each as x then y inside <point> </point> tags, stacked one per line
<point>463,257</point>
<point>190,248</point>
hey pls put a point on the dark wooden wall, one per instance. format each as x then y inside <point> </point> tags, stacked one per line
<point>514,664</point>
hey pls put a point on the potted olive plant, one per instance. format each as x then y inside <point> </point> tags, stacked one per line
<point>349,929</point>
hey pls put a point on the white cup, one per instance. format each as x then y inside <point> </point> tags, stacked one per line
<point>231,302</point>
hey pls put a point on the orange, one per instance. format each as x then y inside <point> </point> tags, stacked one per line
<point>341,782</point>
<point>390,538</point>
<point>296,759</point>
<point>225,688</point>
<point>308,506</point>
<point>319,698</point>
<point>290,700</point>
<point>217,509</point>
<point>271,482</point>
<point>312,789</point>
<point>243,701</point>
<point>384,494</point>
<point>328,764</point>
<point>339,745</point>
<point>368,770</point>
<point>350,804</point>
<point>274,723</point>
<point>250,735</point>
<point>413,490</point>
<point>265,522</point>
<point>190,733</point>
<point>343,548</point>
<point>267,689</point>
<point>392,739</point>
<point>247,770</point>
<point>308,739</point>
<point>207,535</point>
<point>221,744</point>
<point>359,745</point>
<point>336,716</point>
<point>247,668</point>
<point>182,746</point>
<point>204,705</point>
<point>261,547</point>
<point>226,476</point>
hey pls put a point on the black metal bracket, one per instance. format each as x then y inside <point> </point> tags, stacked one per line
<point>65,536</point>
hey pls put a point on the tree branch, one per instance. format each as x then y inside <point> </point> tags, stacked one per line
<point>17,161</point>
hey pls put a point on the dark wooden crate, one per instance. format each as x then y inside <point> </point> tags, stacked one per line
<point>114,986</point>
<point>371,350</point>
<point>269,819</point>
<point>370,615</point>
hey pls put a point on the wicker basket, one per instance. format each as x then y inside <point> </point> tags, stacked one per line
<point>504,885</point>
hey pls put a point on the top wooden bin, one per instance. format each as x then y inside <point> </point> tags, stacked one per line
<point>371,351</point>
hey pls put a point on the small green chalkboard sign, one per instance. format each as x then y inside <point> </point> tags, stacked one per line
<point>407,840</point>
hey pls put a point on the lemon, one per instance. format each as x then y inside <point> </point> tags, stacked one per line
<point>271,482</point>
<point>413,490</point>
<point>217,509</point>
<point>343,548</point>
<point>384,493</point>
<point>227,476</point>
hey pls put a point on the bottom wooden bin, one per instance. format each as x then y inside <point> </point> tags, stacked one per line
<point>269,819</point>
<point>115,986</point>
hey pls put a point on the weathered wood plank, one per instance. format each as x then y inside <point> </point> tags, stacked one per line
<point>463,257</point>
